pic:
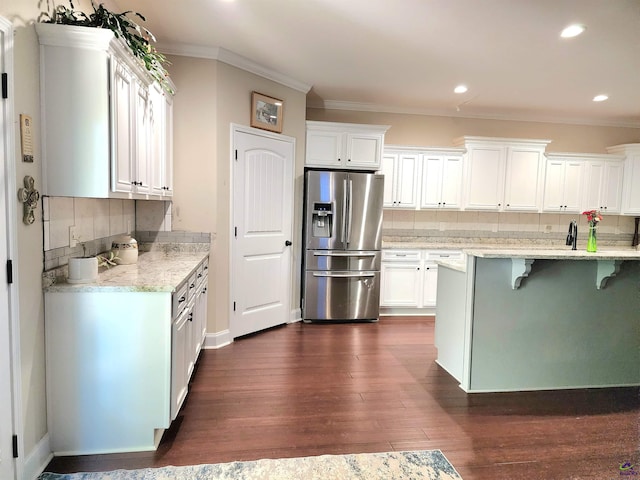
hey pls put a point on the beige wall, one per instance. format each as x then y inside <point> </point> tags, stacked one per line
<point>210,97</point>
<point>432,131</point>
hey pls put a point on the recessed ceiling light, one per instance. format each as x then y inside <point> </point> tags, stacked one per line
<point>460,89</point>
<point>573,30</point>
<point>600,98</point>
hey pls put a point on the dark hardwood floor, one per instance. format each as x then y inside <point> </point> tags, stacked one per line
<point>318,389</point>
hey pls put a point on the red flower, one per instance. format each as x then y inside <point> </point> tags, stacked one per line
<point>593,217</point>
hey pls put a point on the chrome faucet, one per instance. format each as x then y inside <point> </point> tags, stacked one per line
<point>572,236</point>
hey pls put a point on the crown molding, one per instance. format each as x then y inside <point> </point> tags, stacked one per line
<point>223,55</point>
<point>443,112</point>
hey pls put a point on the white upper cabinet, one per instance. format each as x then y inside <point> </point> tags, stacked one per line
<point>631,182</point>
<point>441,185</point>
<point>344,145</point>
<point>161,141</point>
<point>400,170</point>
<point>563,183</point>
<point>97,138</point>
<point>503,174</point>
<point>603,183</point>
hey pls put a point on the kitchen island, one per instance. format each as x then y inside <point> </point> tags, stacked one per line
<point>120,352</point>
<point>534,319</point>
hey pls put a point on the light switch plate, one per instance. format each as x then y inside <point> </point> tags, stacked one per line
<point>73,239</point>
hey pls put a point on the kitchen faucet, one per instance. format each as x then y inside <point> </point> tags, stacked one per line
<point>572,236</point>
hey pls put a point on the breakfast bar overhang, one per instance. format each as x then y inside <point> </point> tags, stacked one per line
<point>515,320</point>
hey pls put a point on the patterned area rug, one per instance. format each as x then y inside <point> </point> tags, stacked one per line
<point>426,464</point>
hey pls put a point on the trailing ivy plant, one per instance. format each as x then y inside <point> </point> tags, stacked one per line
<point>137,38</point>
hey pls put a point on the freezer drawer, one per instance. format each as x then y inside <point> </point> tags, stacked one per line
<point>341,295</point>
<point>342,260</point>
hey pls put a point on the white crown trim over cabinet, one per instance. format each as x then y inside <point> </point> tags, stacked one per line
<point>99,127</point>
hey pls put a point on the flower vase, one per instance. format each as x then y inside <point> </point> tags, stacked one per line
<point>592,244</point>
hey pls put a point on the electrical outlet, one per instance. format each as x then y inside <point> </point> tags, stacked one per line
<point>73,237</point>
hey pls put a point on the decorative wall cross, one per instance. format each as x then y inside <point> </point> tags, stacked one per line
<point>29,196</point>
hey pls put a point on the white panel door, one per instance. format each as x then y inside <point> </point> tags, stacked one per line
<point>400,285</point>
<point>407,185</point>
<point>387,168</point>
<point>573,186</point>
<point>262,224</point>
<point>7,463</point>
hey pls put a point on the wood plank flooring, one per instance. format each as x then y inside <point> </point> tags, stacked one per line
<point>316,389</point>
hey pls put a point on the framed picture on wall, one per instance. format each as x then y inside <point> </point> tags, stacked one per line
<point>266,112</point>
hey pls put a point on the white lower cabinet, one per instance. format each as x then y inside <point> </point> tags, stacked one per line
<point>409,280</point>
<point>119,364</point>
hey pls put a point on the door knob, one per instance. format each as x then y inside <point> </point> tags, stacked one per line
<point>287,243</point>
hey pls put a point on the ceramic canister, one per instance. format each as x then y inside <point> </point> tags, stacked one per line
<point>125,250</point>
<point>83,270</point>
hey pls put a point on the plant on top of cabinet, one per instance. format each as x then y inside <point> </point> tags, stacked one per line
<point>137,38</point>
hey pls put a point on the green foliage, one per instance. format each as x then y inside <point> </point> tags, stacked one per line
<point>137,38</point>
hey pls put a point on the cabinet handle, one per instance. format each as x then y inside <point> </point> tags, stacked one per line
<point>182,299</point>
<point>339,160</point>
<point>192,285</point>
<point>199,275</point>
<point>348,159</point>
<point>418,268</point>
<point>191,317</point>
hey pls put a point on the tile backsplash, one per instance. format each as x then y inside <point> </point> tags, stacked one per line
<point>499,227</point>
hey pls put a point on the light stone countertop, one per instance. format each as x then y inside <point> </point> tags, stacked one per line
<point>154,272</point>
<point>555,254</point>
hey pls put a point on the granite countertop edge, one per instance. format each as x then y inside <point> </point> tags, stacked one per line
<point>154,272</point>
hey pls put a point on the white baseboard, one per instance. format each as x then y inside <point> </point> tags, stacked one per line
<point>295,316</point>
<point>218,339</point>
<point>38,459</point>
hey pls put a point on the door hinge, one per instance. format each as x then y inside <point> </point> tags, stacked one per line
<point>234,306</point>
<point>236,155</point>
<point>5,85</point>
<point>235,232</point>
<point>9,271</point>
<point>15,446</point>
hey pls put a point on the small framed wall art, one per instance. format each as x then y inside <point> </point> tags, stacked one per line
<point>266,112</point>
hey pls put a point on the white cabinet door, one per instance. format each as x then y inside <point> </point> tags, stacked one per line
<point>179,355</point>
<point>363,150</point>
<point>523,185</point>
<point>452,181</point>
<point>344,145</point>
<point>123,125</point>
<point>631,181</point>
<point>400,284</point>
<point>429,284</point>
<point>603,186</point>
<point>631,193</point>
<point>485,177</point>
<point>157,143</point>
<point>141,161</point>
<point>400,172</point>
<point>387,168</point>
<point>432,168</point>
<point>612,187</point>
<point>168,146</point>
<point>563,185</point>
<point>441,181</point>
<point>324,148</point>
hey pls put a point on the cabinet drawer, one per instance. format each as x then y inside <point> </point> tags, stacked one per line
<point>179,300</point>
<point>434,256</point>
<point>400,255</point>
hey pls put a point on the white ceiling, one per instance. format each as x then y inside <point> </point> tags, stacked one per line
<point>408,55</point>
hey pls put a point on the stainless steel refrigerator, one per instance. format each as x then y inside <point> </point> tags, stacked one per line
<point>342,237</point>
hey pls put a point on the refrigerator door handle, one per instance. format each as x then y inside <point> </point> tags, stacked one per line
<point>350,206</point>
<point>344,274</point>
<point>345,196</point>
<point>344,254</point>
